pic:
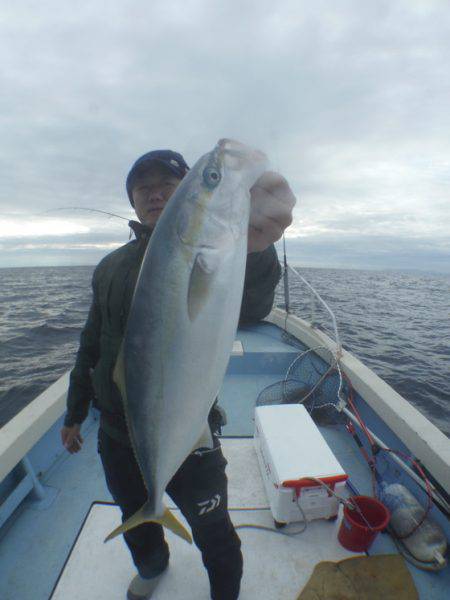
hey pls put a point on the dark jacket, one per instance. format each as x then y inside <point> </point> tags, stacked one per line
<point>113,283</point>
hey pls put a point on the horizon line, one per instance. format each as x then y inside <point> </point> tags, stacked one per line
<point>292,264</point>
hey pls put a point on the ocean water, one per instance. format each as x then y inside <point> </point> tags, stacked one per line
<point>397,323</point>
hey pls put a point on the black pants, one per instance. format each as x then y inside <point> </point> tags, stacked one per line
<point>199,489</point>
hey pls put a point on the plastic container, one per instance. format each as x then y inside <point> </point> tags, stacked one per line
<point>355,533</point>
<point>426,543</point>
<point>291,450</point>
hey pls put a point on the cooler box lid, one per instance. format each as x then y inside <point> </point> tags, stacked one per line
<point>296,447</point>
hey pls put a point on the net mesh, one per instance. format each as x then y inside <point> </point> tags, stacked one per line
<point>309,381</point>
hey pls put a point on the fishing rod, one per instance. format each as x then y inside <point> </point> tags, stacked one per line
<point>83,208</point>
<point>286,278</point>
<point>440,499</point>
<point>437,497</point>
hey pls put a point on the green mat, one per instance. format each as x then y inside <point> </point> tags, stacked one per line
<point>383,577</point>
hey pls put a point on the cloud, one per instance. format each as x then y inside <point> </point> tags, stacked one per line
<point>15,228</point>
<point>348,99</point>
<point>355,251</point>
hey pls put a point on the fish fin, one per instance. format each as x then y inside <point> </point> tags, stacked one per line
<point>119,373</point>
<point>170,521</point>
<point>202,275</point>
<point>140,517</point>
<point>205,440</point>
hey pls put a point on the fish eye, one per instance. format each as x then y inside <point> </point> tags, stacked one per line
<point>211,176</point>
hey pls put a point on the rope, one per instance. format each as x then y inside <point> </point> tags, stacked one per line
<point>319,297</point>
<point>335,366</point>
<point>264,528</point>
<point>372,462</point>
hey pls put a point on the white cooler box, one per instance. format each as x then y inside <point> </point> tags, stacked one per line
<point>290,448</point>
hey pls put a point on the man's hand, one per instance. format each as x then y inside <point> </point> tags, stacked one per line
<point>71,438</point>
<point>271,204</point>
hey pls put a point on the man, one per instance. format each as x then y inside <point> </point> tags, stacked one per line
<point>150,183</point>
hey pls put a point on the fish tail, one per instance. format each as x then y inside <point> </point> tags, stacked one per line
<point>142,516</point>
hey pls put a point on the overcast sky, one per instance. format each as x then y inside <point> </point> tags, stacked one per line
<point>349,99</point>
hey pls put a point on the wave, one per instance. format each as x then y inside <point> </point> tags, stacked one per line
<point>397,323</point>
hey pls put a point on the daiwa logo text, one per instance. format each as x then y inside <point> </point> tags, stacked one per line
<point>208,505</point>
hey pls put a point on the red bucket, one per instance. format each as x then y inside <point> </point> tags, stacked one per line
<point>354,533</point>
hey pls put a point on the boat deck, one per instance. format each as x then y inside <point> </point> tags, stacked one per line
<point>55,548</point>
<point>275,566</point>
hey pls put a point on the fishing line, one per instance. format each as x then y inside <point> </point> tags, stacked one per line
<point>82,208</point>
<point>345,501</point>
<point>375,445</point>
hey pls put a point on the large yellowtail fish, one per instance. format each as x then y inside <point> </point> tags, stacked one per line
<point>183,320</point>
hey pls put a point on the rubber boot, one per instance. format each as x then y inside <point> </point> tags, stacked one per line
<point>142,589</point>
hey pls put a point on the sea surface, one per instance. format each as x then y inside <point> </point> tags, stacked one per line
<point>397,323</point>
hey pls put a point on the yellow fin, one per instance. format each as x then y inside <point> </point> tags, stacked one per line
<point>168,520</point>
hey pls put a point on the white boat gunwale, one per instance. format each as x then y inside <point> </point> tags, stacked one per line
<point>422,438</point>
<point>52,403</point>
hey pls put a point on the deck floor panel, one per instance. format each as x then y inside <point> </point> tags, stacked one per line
<point>265,337</point>
<point>42,538</point>
<point>351,459</point>
<point>238,398</point>
<point>276,566</point>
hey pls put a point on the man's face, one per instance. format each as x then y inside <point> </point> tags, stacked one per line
<point>151,192</point>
